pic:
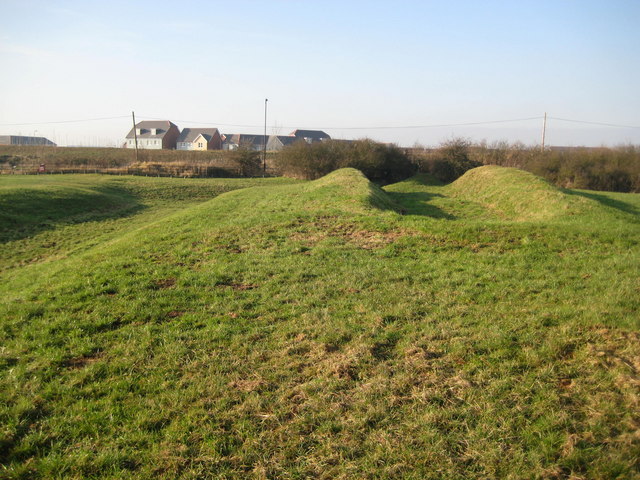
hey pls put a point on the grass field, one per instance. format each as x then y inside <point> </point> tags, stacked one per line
<point>162,328</point>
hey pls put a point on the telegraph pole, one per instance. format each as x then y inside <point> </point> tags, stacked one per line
<point>544,129</point>
<point>264,149</point>
<point>135,133</point>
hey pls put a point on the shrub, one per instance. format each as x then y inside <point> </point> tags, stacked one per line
<point>309,161</point>
<point>448,162</point>
<point>379,162</point>
<point>247,161</point>
<point>612,169</point>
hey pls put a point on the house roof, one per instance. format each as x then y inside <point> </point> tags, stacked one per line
<point>161,126</point>
<point>189,135</point>
<point>244,139</point>
<point>313,134</point>
<point>230,137</point>
<point>286,139</point>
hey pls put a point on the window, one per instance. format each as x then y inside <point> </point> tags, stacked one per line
<point>200,145</point>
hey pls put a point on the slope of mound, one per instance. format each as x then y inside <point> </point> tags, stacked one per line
<point>343,191</point>
<point>419,180</point>
<point>26,211</point>
<point>348,189</point>
<point>246,212</point>
<point>514,194</point>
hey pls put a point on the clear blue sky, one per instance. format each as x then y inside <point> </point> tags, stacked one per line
<point>330,64</point>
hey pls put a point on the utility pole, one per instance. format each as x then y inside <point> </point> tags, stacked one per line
<point>135,133</point>
<point>544,129</point>
<point>264,141</point>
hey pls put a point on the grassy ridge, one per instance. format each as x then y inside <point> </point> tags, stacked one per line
<point>310,330</point>
<point>45,217</point>
<point>515,194</point>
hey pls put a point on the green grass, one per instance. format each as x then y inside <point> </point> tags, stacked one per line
<point>311,330</point>
<point>48,217</point>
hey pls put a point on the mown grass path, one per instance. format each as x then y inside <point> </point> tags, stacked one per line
<point>312,331</point>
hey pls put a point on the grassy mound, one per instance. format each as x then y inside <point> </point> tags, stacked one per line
<point>348,186</point>
<point>49,217</point>
<point>306,331</point>
<point>343,191</point>
<point>514,194</point>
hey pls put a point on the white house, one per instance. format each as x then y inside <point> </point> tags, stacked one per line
<point>153,135</point>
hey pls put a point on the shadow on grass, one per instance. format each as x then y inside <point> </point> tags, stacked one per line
<point>26,212</point>
<point>417,203</point>
<point>607,201</point>
<point>9,444</point>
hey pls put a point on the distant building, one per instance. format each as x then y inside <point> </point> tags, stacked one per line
<point>199,139</point>
<point>310,136</point>
<point>278,142</point>
<point>233,141</point>
<point>20,140</point>
<point>153,135</point>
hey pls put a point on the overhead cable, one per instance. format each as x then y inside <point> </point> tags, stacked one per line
<point>594,123</point>
<point>63,121</point>
<point>372,127</point>
<point>385,127</point>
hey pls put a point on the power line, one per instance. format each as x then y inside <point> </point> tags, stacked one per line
<point>371,127</point>
<point>206,123</point>
<point>437,125</point>
<point>62,121</point>
<point>594,123</point>
<point>385,127</point>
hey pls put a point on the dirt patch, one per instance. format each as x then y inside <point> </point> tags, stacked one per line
<point>164,283</point>
<point>83,360</point>
<point>372,240</point>
<point>248,385</point>
<point>231,247</point>
<point>324,228</point>
<point>175,314</point>
<point>421,354</point>
<point>565,383</point>
<point>620,350</point>
<point>238,286</point>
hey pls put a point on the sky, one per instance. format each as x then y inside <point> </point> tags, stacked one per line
<point>407,72</point>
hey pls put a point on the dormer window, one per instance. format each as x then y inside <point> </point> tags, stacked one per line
<point>153,131</point>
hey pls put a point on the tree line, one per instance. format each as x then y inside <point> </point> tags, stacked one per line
<point>611,169</point>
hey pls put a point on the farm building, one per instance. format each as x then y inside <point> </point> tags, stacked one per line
<point>153,135</point>
<point>199,139</point>
<point>22,140</point>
